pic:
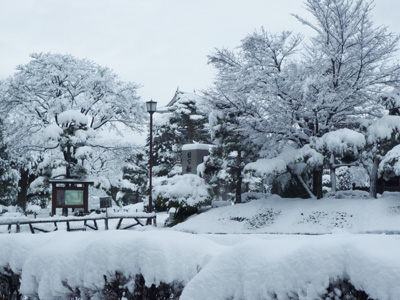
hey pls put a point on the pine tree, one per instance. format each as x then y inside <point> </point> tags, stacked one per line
<point>8,176</point>
<point>184,122</point>
<point>136,172</point>
<point>224,168</point>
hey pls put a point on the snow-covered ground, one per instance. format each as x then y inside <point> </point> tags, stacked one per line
<point>234,265</point>
<point>353,212</point>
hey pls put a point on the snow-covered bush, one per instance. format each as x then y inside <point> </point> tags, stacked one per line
<point>186,192</point>
<point>182,190</point>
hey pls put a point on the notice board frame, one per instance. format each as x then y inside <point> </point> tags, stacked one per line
<point>60,186</point>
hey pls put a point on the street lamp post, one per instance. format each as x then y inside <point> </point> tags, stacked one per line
<point>151,107</point>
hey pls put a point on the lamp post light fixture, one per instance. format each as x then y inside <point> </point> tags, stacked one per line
<point>151,107</point>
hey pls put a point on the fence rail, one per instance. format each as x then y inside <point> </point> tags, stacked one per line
<point>141,219</point>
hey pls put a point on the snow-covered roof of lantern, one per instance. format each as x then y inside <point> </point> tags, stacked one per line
<point>189,147</point>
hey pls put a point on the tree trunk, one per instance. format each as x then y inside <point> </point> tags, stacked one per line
<point>239,186</point>
<point>332,173</point>
<point>310,193</point>
<point>333,180</point>
<point>23,186</point>
<point>373,179</point>
<point>239,179</point>
<point>71,161</point>
<point>317,183</point>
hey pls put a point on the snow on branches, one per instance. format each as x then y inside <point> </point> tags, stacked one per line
<point>384,129</point>
<point>340,142</point>
<point>296,161</point>
<point>390,164</point>
<point>67,99</point>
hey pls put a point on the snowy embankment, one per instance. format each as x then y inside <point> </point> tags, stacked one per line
<point>207,266</point>
<point>302,216</point>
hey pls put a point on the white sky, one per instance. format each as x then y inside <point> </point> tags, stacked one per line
<point>160,44</point>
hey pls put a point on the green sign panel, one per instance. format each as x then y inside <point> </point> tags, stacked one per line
<point>73,197</point>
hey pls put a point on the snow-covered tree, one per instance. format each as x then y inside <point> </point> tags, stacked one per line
<point>224,167</point>
<point>288,98</point>
<point>167,145</point>
<point>185,121</point>
<point>8,176</point>
<point>189,113</point>
<point>135,170</point>
<point>381,136</point>
<point>59,103</point>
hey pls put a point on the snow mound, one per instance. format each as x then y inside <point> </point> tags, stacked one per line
<point>288,268</point>
<point>208,267</point>
<point>351,211</point>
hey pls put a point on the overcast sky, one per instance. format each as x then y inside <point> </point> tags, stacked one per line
<point>160,44</point>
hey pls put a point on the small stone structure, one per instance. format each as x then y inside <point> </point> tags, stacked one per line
<point>192,156</point>
<point>105,202</point>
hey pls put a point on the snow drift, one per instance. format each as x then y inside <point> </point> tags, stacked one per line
<point>208,267</point>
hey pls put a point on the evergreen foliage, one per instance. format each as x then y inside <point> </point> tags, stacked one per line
<point>224,168</point>
<point>136,172</point>
<point>8,176</point>
<point>184,122</point>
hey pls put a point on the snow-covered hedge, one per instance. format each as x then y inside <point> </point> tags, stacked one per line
<point>63,265</point>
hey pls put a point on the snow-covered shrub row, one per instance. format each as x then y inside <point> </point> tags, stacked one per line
<point>61,265</point>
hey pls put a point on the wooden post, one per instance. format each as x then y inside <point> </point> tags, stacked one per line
<point>53,199</point>
<point>106,223</point>
<point>86,197</point>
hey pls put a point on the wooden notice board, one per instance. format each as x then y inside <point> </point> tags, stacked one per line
<point>70,193</point>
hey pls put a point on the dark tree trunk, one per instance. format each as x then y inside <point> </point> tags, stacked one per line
<point>71,161</point>
<point>373,180</point>
<point>332,173</point>
<point>23,186</point>
<point>239,179</point>
<point>317,183</point>
<point>191,131</point>
<point>239,186</point>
